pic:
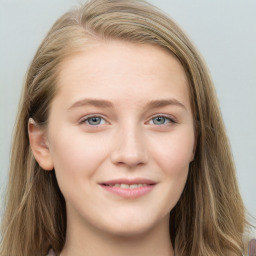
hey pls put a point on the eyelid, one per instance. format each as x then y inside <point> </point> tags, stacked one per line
<point>86,117</point>
<point>172,119</point>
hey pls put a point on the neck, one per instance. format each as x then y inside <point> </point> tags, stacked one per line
<point>92,242</point>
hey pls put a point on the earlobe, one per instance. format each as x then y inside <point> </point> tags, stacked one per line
<point>39,145</point>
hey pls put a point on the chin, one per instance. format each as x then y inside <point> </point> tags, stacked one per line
<point>130,228</point>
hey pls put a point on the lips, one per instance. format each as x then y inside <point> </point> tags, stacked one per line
<point>129,181</point>
<point>129,188</point>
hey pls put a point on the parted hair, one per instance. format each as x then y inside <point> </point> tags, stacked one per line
<point>209,218</point>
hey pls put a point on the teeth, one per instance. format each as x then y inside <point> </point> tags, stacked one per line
<point>132,186</point>
<point>124,186</point>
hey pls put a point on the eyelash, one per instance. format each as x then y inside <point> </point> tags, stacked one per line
<point>166,117</point>
<point>85,120</point>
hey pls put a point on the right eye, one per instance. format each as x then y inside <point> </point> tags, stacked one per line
<point>94,121</point>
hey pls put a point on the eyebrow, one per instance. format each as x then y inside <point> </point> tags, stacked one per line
<point>107,104</point>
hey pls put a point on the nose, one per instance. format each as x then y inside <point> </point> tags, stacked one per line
<point>129,148</point>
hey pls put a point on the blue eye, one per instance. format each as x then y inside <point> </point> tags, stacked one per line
<point>94,120</point>
<point>160,120</point>
<point>97,120</point>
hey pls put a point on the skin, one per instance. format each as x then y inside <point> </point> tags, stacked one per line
<point>129,141</point>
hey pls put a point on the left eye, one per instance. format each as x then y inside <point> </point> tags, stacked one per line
<point>159,120</point>
<point>94,120</point>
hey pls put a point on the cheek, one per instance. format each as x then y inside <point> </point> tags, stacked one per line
<point>77,155</point>
<point>173,156</point>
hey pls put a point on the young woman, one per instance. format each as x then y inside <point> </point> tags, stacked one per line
<point>120,147</point>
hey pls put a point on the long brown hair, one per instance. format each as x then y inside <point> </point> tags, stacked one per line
<point>209,218</point>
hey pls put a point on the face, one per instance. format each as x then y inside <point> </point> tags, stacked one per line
<point>121,136</point>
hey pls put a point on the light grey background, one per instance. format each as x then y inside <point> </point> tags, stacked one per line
<point>223,31</point>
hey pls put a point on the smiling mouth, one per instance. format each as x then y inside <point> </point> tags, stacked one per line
<point>127,186</point>
<point>128,191</point>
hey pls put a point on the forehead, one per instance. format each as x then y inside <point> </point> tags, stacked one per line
<point>116,69</point>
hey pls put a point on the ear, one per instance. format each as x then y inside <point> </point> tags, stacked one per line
<point>39,145</point>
